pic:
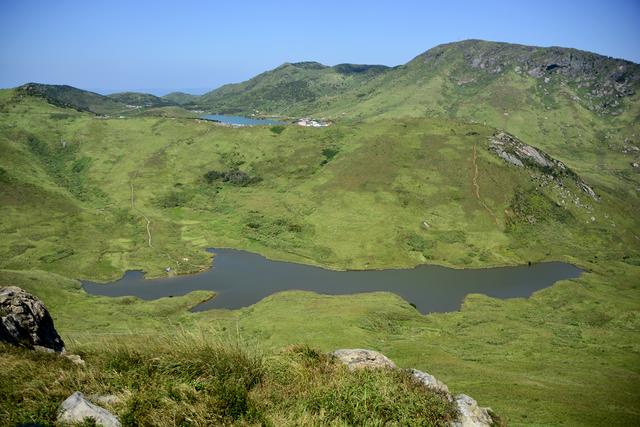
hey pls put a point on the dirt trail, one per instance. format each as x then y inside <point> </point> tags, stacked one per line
<point>133,207</point>
<point>477,186</point>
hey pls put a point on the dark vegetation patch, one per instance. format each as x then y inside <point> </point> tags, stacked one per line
<point>4,175</point>
<point>259,225</point>
<point>277,129</point>
<point>329,153</point>
<point>417,243</point>
<point>59,254</point>
<point>174,198</point>
<point>234,177</point>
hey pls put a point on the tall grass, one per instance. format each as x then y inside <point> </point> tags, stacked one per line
<point>199,379</point>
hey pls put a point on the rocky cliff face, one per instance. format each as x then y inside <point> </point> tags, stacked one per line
<point>601,82</point>
<point>25,321</point>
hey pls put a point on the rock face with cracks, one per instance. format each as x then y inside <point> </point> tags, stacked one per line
<point>469,413</point>
<point>24,321</point>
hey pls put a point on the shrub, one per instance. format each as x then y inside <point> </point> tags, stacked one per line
<point>277,129</point>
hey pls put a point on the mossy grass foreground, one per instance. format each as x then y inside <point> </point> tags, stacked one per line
<point>186,379</point>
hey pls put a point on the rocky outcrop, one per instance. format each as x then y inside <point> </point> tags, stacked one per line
<point>600,83</point>
<point>359,358</point>
<point>513,151</point>
<point>469,413</point>
<point>24,321</point>
<point>76,409</point>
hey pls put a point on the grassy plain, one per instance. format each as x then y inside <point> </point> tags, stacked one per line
<point>354,195</point>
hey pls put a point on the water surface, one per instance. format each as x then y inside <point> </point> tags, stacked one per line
<point>240,120</point>
<point>242,278</point>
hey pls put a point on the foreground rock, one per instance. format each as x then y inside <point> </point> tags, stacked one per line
<point>24,321</point>
<point>357,358</point>
<point>469,413</point>
<point>77,409</point>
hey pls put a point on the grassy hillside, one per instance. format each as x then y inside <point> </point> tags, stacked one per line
<point>71,97</point>
<point>140,99</point>
<point>288,89</point>
<point>180,98</point>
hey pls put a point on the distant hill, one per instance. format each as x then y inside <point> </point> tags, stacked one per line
<point>71,97</point>
<point>570,102</point>
<point>140,99</point>
<point>450,79</point>
<point>290,87</point>
<point>180,98</point>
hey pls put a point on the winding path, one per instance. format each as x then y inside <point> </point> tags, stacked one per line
<point>477,186</point>
<point>133,206</point>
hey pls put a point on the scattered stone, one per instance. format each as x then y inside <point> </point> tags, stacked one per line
<point>359,358</point>
<point>430,381</point>
<point>471,415</point>
<point>635,165</point>
<point>77,409</point>
<point>75,359</point>
<point>24,321</point>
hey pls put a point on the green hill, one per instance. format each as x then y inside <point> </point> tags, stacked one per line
<point>289,88</point>
<point>180,98</point>
<point>71,97</point>
<point>140,99</point>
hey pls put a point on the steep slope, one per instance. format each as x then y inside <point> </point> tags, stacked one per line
<point>290,87</point>
<point>71,97</point>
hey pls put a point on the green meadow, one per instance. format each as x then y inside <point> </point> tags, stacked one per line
<point>84,197</point>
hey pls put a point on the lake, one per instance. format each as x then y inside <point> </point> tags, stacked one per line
<point>240,120</point>
<point>242,278</point>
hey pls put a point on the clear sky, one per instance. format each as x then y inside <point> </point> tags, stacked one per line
<point>160,46</point>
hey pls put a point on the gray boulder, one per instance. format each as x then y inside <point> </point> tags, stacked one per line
<point>77,409</point>
<point>470,414</point>
<point>357,358</point>
<point>430,381</point>
<point>24,321</point>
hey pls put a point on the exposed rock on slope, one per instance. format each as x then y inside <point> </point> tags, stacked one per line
<point>76,409</point>
<point>516,152</point>
<point>601,80</point>
<point>469,413</point>
<point>25,321</point>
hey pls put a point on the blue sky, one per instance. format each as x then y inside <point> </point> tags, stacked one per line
<point>160,46</point>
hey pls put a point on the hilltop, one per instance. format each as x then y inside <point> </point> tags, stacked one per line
<point>291,87</point>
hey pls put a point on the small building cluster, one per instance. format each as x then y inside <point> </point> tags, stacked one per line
<point>312,123</point>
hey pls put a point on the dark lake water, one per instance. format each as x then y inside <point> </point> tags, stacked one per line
<point>240,120</point>
<point>242,278</point>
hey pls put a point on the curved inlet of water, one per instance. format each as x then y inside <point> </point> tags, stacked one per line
<point>242,278</point>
